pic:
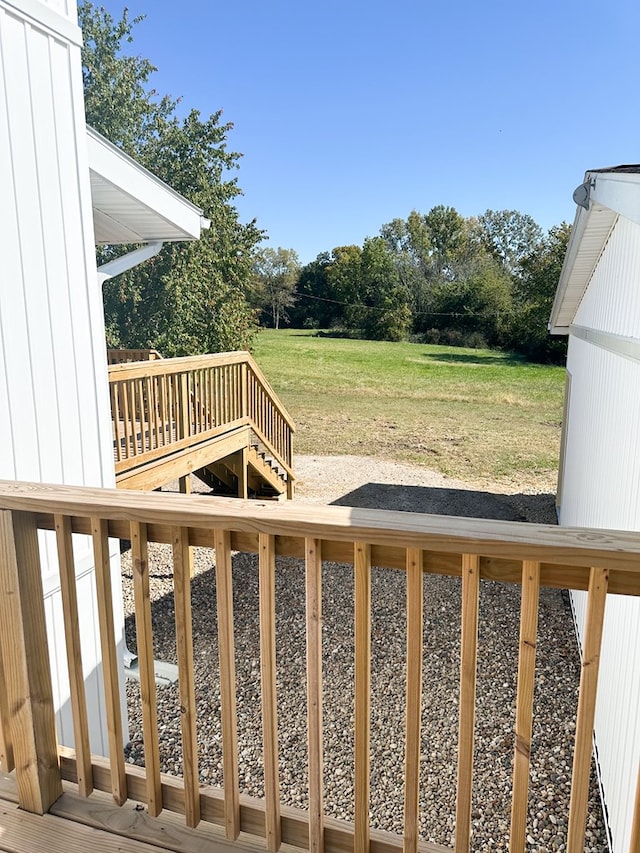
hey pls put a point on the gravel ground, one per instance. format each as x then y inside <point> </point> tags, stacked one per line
<point>360,481</point>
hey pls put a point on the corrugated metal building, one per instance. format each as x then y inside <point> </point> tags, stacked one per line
<point>55,424</point>
<point>598,306</point>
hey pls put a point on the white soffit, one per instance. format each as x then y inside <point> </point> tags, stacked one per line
<point>612,193</point>
<point>130,205</point>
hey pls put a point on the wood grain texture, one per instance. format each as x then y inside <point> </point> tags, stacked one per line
<point>144,643</point>
<point>338,834</point>
<point>226,646</point>
<point>110,663</point>
<point>7,763</point>
<point>524,703</point>
<point>362,586</point>
<point>592,641</point>
<point>467,708</point>
<point>413,699</point>
<point>499,540</point>
<point>25,656</point>
<point>74,653</point>
<point>184,646</point>
<point>267,570</point>
<point>313,595</point>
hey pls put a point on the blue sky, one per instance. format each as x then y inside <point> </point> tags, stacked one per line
<point>350,114</point>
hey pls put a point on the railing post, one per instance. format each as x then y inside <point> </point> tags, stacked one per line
<point>594,622</point>
<point>25,655</point>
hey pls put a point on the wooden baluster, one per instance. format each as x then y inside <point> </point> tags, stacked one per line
<point>362,583</point>
<point>133,408</point>
<point>66,564</point>
<point>594,621</point>
<point>176,409</point>
<point>144,642</point>
<point>164,410</point>
<point>313,584</point>
<point>25,657</point>
<point>7,763</point>
<point>267,570</point>
<point>468,662</point>
<point>184,486</point>
<point>154,394</point>
<point>143,415</point>
<point>244,393</point>
<point>413,699</point>
<point>109,658</point>
<point>186,416</point>
<point>216,393</point>
<point>207,399</point>
<point>226,646</point>
<point>115,418</point>
<point>524,708</point>
<point>186,679</point>
<point>129,427</point>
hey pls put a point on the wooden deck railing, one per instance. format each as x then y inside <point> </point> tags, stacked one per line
<point>166,405</point>
<point>121,356</point>
<point>473,550</point>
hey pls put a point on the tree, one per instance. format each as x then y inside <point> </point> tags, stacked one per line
<point>343,277</point>
<point>534,293</point>
<point>387,315</point>
<point>316,306</point>
<point>510,236</point>
<point>192,297</point>
<point>277,272</point>
<point>475,303</point>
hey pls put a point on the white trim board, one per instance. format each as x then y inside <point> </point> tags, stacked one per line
<point>46,19</point>
<point>618,344</point>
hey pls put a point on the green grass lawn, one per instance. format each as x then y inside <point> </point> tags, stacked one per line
<point>478,415</point>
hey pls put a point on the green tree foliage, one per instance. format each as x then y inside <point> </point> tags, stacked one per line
<point>343,277</point>
<point>316,306</point>
<point>509,236</point>
<point>192,297</point>
<point>486,281</point>
<point>534,293</point>
<point>385,313</point>
<point>277,272</point>
<point>474,302</point>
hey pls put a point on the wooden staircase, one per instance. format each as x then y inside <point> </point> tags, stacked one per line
<point>215,416</point>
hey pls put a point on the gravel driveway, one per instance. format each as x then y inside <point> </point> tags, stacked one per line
<point>369,482</point>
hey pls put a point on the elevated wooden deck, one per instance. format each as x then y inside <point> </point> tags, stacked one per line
<point>179,813</point>
<point>213,415</point>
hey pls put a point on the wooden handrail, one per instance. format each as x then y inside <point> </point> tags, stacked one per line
<point>525,554</point>
<point>162,406</point>
<point>120,356</point>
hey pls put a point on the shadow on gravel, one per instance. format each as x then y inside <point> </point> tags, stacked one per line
<point>458,502</point>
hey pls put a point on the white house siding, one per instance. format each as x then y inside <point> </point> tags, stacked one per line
<point>56,423</point>
<point>601,488</point>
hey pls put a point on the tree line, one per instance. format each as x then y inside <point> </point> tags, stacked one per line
<point>486,281</point>
<point>436,277</point>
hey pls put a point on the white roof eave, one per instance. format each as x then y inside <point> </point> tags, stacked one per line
<point>131,205</point>
<point>610,194</point>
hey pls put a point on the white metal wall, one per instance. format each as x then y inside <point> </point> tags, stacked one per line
<point>601,489</point>
<point>612,300</point>
<point>55,425</point>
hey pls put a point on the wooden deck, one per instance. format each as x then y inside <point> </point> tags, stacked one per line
<point>174,417</point>
<point>177,812</point>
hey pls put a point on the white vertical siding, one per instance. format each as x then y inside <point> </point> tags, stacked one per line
<point>612,300</point>
<point>56,424</point>
<point>601,489</point>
